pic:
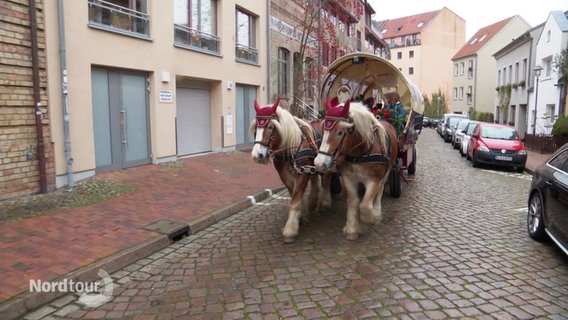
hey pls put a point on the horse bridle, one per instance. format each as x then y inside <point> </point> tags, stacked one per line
<point>305,169</point>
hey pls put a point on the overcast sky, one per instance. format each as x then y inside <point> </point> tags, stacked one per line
<point>476,13</point>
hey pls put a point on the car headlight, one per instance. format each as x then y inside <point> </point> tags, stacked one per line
<point>522,153</point>
<point>482,148</point>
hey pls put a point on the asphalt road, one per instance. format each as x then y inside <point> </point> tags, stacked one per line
<point>454,245</point>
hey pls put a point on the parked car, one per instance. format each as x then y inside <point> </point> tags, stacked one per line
<point>496,144</point>
<point>548,200</point>
<point>434,123</point>
<point>466,136</point>
<point>426,122</point>
<point>450,126</point>
<point>457,135</point>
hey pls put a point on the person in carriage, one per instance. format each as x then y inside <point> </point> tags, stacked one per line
<point>395,112</point>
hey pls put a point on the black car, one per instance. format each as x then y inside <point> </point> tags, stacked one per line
<point>548,200</point>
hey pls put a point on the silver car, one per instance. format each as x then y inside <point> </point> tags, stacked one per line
<point>467,130</point>
<point>458,133</point>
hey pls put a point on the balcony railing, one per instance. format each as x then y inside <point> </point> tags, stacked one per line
<point>113,17</point>
<point>245,53</point>
<point>196,39</point>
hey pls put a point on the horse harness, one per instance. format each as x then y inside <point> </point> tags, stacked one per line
<point>302,154</point>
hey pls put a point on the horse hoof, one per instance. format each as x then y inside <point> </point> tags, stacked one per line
<point>351,236</point>
<point>288,239</point>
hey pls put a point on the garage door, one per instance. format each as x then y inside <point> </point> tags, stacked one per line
<point>193,123</point>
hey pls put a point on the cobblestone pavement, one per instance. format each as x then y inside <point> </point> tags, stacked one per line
<point>453,246</point>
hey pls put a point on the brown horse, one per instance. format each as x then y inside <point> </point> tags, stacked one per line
<point>364,149</point>
<point>291,144</point>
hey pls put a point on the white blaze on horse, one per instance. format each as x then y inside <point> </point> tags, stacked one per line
<point>365,149</point>
<point>291,144</point>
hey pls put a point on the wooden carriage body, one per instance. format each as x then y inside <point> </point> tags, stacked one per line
<point>368,76</point>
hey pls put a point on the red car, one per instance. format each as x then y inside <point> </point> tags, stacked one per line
<point>497,144</point>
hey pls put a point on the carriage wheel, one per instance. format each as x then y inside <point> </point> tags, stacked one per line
<point>395,182</point>
<point>412,165</point>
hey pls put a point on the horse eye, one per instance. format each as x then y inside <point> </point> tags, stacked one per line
<point>271,127</point>
<point>340,133</point>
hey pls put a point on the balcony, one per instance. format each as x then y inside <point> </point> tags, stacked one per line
<point>111,17</point>
<point>194,39</point>
<point>246,54</point>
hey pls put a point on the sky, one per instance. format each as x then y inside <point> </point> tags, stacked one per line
<point>476,13</point>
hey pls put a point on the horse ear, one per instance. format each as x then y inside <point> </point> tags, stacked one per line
<point>346,108</point>
<point>256,106</point>
<point>275,105</point>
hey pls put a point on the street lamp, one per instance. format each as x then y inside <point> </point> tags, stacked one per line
<point>537,70</point>
<point>438,98</point>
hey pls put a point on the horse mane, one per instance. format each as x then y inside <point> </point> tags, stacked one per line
<point>365,123</point>
<point>288,127</point>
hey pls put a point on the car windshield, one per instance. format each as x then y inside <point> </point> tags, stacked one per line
<point>502,133</point>
<point>454,121</point>
<point>471,126</point>
<point>462,124</point>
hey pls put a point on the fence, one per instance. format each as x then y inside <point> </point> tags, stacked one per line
<point>544,143</point>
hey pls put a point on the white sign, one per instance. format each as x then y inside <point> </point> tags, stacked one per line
<point>166,96</point>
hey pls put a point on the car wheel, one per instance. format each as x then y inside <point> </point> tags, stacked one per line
<point>474,161</point>
<point>520,169</point>
<point>535,215</point>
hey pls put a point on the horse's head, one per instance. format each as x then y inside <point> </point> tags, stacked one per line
<point>265,130</point>
<point>337,129</point>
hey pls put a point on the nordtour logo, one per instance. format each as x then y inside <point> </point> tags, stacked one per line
<point>93,294</point>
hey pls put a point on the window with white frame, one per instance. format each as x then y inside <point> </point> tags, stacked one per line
<point>455,69</point>
<point>195,24</point>
<point>547,67</point>
<point>470,69</point>
<point>462,68</point>
<point>283,71</point>
<point>455,93</point>
<point>461,93</point>
<point>469,95</point>
<point>245,36</point>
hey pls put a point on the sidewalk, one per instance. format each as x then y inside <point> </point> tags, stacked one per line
<point>168,202</point>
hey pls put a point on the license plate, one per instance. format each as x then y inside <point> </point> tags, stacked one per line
<point>503,158</point>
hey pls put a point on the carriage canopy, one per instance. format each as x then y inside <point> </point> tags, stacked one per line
<point>369,76</point>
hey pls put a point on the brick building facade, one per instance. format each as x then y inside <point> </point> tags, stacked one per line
<point>19,162</point>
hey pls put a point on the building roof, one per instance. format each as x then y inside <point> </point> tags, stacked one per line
<point>406,25</point>
<point>561,19</point>
<point>481,38</point>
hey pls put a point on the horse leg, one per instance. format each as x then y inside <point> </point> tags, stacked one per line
<point>296,205</point>
<point>370,207</point>
<point>314,194</point>
<point>325,191</point>
<point>352,227</point>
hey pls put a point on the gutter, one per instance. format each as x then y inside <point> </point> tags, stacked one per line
<point>65,100</point>
<point>37,99</point>
<point>269,66</point>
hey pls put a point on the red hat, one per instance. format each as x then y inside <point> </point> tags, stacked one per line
<point>264,114</point>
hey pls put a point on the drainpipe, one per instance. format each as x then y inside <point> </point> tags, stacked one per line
<point>65,105</point>
<point>268,74</point>
<point>37,99</point>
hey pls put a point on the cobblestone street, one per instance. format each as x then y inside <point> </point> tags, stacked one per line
<point>454,245</point>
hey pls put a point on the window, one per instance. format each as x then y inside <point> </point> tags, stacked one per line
<point>524,70</point>
<point>462,68</point>
<point>399,55</point>
<point>469,95</point>
<point>455,93</point>
<point>516,81</point>
<point>470,69</point>
<point>411,70</point>
<point>195,24</point>
<point>411,54</point>
<point>455,69</point>
<point>245,29</point>
<point>122,16</point>
<point>547,66</point>
<point>461,93</point>
<point>358,40</point>
<point>283,71</point>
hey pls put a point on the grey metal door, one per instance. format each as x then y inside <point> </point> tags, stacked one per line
<point>244,114</point>
<point>120,119</point>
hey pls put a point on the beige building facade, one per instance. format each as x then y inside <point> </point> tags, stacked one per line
<point>474,81</point>
<point>149,81</point>
<point>422,45</point>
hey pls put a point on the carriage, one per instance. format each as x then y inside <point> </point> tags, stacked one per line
<point>369,76</point>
